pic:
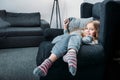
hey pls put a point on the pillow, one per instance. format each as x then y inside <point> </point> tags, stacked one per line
<point>3,23</point>
<point>74,23</point>
<point>78,22</point>
<point>84,21</point>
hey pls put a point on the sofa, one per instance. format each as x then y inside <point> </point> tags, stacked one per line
<point>21,29</point>
<point>94,61</point>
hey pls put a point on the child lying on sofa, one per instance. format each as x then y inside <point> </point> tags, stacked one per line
<point>68,44</point>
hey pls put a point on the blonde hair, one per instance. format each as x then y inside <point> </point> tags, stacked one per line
<point>96,24</point>
<point>75,29</point>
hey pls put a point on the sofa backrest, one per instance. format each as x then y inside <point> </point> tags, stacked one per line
<point>96,10</point>
<point>86,10</point>
<point>108,14</point>
<point>90,10</point>
<point>23,19</point>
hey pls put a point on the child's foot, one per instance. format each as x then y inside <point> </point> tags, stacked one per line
<point>43,68</point>
<point>36,78</point>
<point>71,59</point>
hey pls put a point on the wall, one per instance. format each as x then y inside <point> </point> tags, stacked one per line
<point>68,8</point>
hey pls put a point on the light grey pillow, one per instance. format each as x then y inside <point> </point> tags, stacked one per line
<point>74,23</point>
<point>78,22</point>
<point>84,21</point>
<point>3,23</point>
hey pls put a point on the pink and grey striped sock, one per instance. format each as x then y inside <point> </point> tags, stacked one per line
<point>71,59</point>
<point>42,70</point>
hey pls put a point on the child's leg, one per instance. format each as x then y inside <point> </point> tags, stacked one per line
<point>57,51</point>
<point>71,59</point>
<point>43,68</point>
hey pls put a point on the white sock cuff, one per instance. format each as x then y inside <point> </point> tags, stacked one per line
<point>72,50</point>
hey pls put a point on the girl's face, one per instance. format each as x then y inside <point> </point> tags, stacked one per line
<point>89,30</point>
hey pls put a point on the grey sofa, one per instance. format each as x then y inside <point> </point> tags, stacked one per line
<point>94,61</point>
<point>90,57</point>
<point>21,29</point>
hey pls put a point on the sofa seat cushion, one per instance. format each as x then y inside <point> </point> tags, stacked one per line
<point>22,31</point>
<point>87,55</point>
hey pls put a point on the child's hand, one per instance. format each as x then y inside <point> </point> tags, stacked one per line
<point>66,22</point>
<point>87,39</point>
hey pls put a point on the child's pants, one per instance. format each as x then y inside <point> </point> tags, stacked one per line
<point>68,41</point>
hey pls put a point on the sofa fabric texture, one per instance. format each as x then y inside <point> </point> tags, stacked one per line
<point>88,55</point>
<point>18,27</point>
<point>94,61</point>
<point>91,58</point>
<point>3,23</point>
<point>23,19</point>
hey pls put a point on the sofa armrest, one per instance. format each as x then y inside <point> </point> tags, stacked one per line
<point>50,33</point>
<point>86,10</point>
<point>44,24</point>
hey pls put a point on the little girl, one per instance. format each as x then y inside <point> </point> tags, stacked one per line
<point>69,42</point>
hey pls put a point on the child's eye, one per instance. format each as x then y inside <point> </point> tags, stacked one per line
<point>86,28</point>
<point>92,29</point>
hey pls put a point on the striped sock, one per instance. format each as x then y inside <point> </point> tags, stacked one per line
<point>71,59</point>
<point>43,68</point>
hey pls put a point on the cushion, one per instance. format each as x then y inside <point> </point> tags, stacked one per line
<point>74,23</point>
<point>84,21</point>
<point>23,19</point>
<point>2,13</point>
<point>78,22</point>
<point>3,23</point>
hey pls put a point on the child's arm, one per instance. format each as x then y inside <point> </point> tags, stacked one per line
<point>87,39</point>
<point>66,22</point>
